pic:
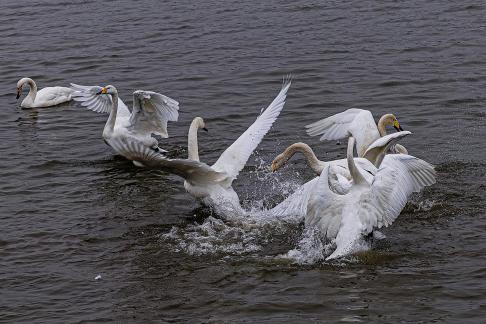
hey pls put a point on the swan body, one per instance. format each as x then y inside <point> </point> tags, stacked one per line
<point>46,97</point>
<point>150,113</point>
<point>212,185</point>
<point>368,205</point>
<point>360,124</point>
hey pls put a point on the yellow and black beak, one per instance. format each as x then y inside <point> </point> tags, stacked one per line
<point>397,126</point>
<point>103,91</point>
<point>19,90</point>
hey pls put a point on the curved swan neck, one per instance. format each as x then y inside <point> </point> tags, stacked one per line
<point>312,161</point>
<point>192,145</point>
<point>353,169</point>
<point>110,123</point>
<point>385,120</point>
<point>30,98</point>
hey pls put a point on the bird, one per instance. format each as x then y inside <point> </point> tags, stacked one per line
<point>360,124</point>
<point>150,113</point>
<point>372,201</point>
<point>210,184</point>
<point>46,97</point>
<point>296,203</point>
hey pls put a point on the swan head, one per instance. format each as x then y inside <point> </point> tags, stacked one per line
<point>279,161</point>
<point>391,120</point>
<point>199,122</point>
<point>20,84</point>
<point>109,89</point>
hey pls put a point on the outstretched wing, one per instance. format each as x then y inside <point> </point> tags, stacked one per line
<point>187,169</point>
<point>377,150</point>
<point>294,207</point>
<point>357,122</point>
<point>89,98</point>
<point>151,112</point>
<point>399,176</point>
<point>234,158</point>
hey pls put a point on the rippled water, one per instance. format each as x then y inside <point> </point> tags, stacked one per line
<point>71,211</point>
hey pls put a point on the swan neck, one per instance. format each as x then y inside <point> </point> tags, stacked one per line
<point>32,89</point>
<point>382,125</point>
<point>312,161</point>
<point>192,146</point>
<point>353,169</point>
<point>110,124</point>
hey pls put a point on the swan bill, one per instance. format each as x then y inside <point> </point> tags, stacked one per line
<point>397,126</point>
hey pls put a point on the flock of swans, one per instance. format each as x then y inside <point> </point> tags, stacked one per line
<point>348,201</point>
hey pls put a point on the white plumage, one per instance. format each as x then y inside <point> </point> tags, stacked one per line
<point>211,184</point>
<point>368,205</point>
<point>46,97</point>
<point>357,122</point>
<point>150,113</point>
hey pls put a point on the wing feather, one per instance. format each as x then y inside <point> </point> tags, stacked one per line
<point>151,112</point>
<point>399,177</point>
<point>88,97</point>
<point>234,158</point>
<point>357,122</point>
<point>188,169</point>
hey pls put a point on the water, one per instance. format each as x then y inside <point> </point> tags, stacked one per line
<point>87,237</point>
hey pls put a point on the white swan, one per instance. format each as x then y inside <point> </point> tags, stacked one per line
<point>211,184</point>
<point>45,97</point>
<point>150,113</point>
<point>360,124</point>
<point>340,179</point>
<point>369,204</point>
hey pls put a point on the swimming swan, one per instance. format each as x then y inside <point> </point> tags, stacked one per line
<point>46,97</point>
<point>211,184</point>
<point>369,204</point>
<point>150,113</point>
<point>360,124</point>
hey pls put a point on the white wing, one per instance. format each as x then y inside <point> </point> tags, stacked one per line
<point>377,150</point>
<point>399,176</point>
<point>188,169</point>
<point>234,158</point>
<point>324,209</point>
<point>151,112</point>
<point>294,207</point>
<point>358,122</point>
<point>88,97</point>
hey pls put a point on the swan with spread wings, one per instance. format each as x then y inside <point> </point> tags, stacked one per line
<point>150,113</point>
<point>210,184</point>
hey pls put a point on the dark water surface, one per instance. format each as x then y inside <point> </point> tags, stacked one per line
<point>70,210</point>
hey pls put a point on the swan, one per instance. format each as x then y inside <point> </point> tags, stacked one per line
<point>340,179</point>
<point>45,97</point>
<point>360,124</point>
<point>150,114</point>
<point>368,205</point>
<point>212,185</point>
